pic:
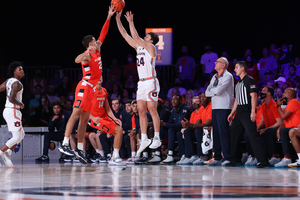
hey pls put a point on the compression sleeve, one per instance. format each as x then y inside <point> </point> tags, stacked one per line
<point>104,31</point>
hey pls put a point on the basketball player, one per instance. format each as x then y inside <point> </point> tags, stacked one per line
<point>92,70</point>
<point>102,118</point>
<point>148,85</point>
<point>12,113</point>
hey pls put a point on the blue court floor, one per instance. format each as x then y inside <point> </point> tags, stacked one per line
<point>95,181</point>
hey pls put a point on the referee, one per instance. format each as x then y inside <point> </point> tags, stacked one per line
<point>245,105</point>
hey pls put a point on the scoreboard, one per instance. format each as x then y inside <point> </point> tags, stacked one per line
<point>164,47</point>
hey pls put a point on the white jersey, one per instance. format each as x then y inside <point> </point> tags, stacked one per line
<point>9,83</point>
<point>145,63</point>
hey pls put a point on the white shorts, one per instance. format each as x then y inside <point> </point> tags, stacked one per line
<point>148,90</point>
<point>13,119</point>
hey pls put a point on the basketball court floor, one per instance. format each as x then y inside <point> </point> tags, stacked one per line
<point>98,181</point>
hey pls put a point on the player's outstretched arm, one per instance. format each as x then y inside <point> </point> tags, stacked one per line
<point>3,86</point>
<point>105,27</point>
<point>124,33</point>
<point>150,47</point>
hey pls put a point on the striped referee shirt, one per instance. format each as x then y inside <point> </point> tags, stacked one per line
<point>243,89</point>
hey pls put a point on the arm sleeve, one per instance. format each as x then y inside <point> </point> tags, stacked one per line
<point>104,31</point>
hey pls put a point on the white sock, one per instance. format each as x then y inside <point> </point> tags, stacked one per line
<point>8,151</point>
<point>101,153</point>
<point>298,154</point>
<point>66,141</point>
<point>156,134</point>
<point>144,136</point>
<point>1,152</point>
<point>138,154</point>
<point>133,154</point>
<point>157,153</point>
<point>170,153</point>
<point>80,146</point>
<point>116,153</point>
<point>145,154</point>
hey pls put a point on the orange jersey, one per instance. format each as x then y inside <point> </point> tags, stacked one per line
<point>293,120</point>
<point>92,71</point>
<point>99,98</point>
<point>270,113</point>
<point>206,113</point>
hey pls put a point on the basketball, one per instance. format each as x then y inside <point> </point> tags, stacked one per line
<point>118,4</point>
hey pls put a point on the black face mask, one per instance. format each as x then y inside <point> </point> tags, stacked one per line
<point>284,98</point>
<point>263,95</point>
<point>195,106</point>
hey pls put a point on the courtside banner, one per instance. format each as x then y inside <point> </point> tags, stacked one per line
<point>164,47</point>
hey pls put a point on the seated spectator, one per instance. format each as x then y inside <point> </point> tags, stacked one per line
<point>130,85</point>
<point>285,58</point>
<point>64,88</point>
<point>267,63</point>
<point>116,91</point>
<point>290,115</point>
<point>179,112</point>
<point>198,88</point>
<point>35,102</point>
<point>269,123</point>
<point>294,79</point>
<point>59,121</point>
<point>50,94</point>
<point>42,112</point>
<point>56,80</point>
<point>130,68</point>
<point>278,93</point>
<point>296,64</point>
<point>182,91</point>
<point>294,135</point>
<point>193,130</point>
<point>125,96</point>
<point>69,106</point>
<point>37,80</point>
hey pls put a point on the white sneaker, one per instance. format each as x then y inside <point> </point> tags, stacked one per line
<point>249,160</point>
<point>198,161</point>
<point>189,161</point>
<point>143,145</point>
<point>181,160</point>
<point>253,162</point>
<point>155,159</point>
<point>116,161</point>
<point>283,163</point>
<point>6,160</point>
<point>131,160</point>
<point>155,143</point>
<point>168,160</point>
<point>274,161</point>
<point>225,162</point>
<point>295,164</point>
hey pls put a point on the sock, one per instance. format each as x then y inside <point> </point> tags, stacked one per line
<point>101,153</point>
<point>97,151</point>
<point>298,154</point>
<point>170,153</point>
<point>157,153</point>
<point>1,152</point>
<point>66,141</point>
<point>156,134</point>
<point>80,146</point>
<point>9,151</point>
<point>144,136</point>
<point>133,154</point>
<point>145,154</point>
<point>138,154</point>
<point>116,153</point>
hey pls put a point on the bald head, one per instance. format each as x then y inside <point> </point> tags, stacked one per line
<point>290,93</point>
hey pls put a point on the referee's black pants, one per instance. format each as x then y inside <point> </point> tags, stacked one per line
<point>242,123</point>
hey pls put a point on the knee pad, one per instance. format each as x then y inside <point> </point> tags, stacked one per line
<point>17,136</point>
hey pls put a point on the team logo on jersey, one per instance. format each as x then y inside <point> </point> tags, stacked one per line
<point>78,103</point>
<point>17,124</point>
<point>154,94</point>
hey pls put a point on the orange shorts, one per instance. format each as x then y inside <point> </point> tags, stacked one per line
<point>83,96</point>
<point>106,124</point>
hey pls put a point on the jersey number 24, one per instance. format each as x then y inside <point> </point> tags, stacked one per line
<point>140,62</point>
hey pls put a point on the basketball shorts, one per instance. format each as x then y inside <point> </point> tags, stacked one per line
<point>148,90</point>
<point>13,119</point>
<point>83,96</point>
<point>106,124</point>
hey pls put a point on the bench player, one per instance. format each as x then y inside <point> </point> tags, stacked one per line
<point>92,70</point>
<point>148,85</point>
<point>12,113</point>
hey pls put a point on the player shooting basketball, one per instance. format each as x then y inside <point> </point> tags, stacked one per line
<point>148,85</point>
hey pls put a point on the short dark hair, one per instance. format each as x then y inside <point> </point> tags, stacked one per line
<point>243,64</point>
<point>57,103</point>
<point>86,40</point>
<point>12,67</point>
<point>128,101</point>
<point>154,38</point>
<point>116,99</point>
<point>179,96</point>
<point>271,90</point>
<point>133,102</point>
